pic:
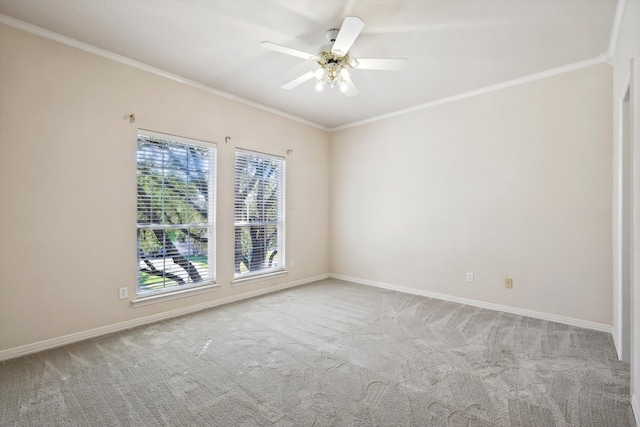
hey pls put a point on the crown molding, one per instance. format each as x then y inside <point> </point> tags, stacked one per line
<point>38,31</point>
<point>526,79</point>
<point>615,29</point>
<point>604,58</point>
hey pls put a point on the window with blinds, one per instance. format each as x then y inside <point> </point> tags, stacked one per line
<point>259,213</point>
<point>176,192</point>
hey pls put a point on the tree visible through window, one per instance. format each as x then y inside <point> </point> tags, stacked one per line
<point>175,212</point>
<point>259,213</point>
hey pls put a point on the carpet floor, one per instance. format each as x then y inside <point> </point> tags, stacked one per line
<point>329,353</point>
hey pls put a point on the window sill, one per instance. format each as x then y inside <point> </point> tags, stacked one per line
<point>246,280</point>
<point>152,299</point>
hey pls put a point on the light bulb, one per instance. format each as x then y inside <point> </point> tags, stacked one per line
<point>318,73</point>
<point>343,88</point>
<point>319,87</point>
<point>344,73</point>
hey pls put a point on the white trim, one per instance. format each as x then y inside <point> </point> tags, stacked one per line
<point>616,342</point>
<point>607,58</point>
<point>103,330</point>
<point>143,300</point>
<point>38,31</point>
<point>604,58</point>
<point>486,89</point>
<point>257,277</point>
<point>615,28</point>
<point>260,153</point>
<point>635,406</point>
<point>619,203</point>
<point>146,133</point>
<point>481,304</point>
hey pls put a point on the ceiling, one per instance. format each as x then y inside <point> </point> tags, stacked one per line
<point>453,46</point>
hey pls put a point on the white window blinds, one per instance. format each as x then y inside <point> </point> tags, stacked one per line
<point>176,195</point>
<point>259,213</point>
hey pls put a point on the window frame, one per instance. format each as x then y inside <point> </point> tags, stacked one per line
<point>210,224</point>
<point>248,276</point>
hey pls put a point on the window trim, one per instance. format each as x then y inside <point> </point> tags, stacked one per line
<point>281,223</point>
<point>141,301</point>
<point>245,280</point>
<point>165,294</point>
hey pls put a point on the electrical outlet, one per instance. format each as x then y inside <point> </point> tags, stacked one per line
<point>123,293</point>
<point>469,277</point>
<point>508,283</point>
<point>290,263</point>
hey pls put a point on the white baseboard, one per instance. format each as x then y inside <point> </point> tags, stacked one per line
<point>475,303</point>
<point>103,330</point>
<point>635,405</point>
<point>92,333</point>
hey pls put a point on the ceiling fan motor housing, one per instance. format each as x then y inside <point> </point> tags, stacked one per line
<point>332,34</point>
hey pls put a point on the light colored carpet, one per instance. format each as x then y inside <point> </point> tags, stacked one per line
<point>326,354</point>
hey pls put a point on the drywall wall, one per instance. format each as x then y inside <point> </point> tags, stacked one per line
<point>68,185</point>
<point>514,183</point>
<point>510,183</point>
<point>626,66</point>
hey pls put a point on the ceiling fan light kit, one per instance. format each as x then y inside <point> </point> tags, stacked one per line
<point>333,60</point>
<point>332,71</point>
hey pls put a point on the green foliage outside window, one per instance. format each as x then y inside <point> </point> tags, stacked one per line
<point>173,213</point>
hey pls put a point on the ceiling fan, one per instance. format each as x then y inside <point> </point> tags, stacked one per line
<point>334,59</point>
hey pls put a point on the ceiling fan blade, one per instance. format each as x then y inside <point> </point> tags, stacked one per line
<point>352,90</point>
<point>298,81</point>
<point>351,28</point>
<point>382,64</point>
<point>288,50</point>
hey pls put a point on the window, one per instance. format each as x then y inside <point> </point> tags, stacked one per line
<point>176,234</point>
<point>259,213</point>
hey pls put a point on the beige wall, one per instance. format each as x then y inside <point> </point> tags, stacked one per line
<point>67,185</point>
<point>511,183</point>
<point>627,52</point>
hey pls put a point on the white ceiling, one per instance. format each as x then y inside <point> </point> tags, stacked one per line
<point>453,46</point>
